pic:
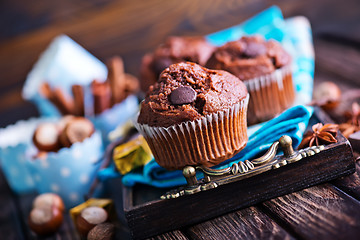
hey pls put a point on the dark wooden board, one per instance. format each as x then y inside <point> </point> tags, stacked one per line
<point>157,216</point>
<point>248,223</point>
<point>108,27</point>
<point>332,213</point>
<point>130,29</point>
<point>9,216</point>
<point>174,235</point>
<point>350,184</point>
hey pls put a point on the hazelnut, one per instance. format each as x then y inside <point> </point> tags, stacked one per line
<point>103,231</point>
<point>49,200</point>
<point>76,130</point>
<point>44,220</point>
<point>89,218</point>
<point>45,137</point>
<point>327,95</point>
<point>64,121</point>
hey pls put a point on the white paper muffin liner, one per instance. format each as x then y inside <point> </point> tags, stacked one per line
<point>206,141</point>
<point>70,171</point>
<point>270,94</point>
<point>15,150</point>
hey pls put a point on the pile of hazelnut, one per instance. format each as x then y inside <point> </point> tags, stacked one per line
<point>52,136</point>
<point>46,216</point>
<point>92,223</point>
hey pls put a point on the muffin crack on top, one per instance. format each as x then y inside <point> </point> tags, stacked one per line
<point>187,91</point>
<point>249,57</point>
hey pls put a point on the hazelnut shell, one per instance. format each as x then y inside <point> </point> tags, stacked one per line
<point>103,231</point>
<point>76,130</point>
<point>47,147</point>
<point>48,227</point>
<point>84,226</point>
<point>327,95</point>
<point>49,200</point>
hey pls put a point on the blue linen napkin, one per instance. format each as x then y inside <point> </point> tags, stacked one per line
<point>295,36</point>
<point>292,122</point>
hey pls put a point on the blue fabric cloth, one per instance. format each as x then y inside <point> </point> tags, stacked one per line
<point>292,122</point>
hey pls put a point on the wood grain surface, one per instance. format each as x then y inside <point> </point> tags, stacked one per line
<point>249,223</point>
<point>9,217</point>
<point>145,219</point>
<point>350,184</point>
<point>130,29</point>
<point>174,235</point>
<point>332,214</point>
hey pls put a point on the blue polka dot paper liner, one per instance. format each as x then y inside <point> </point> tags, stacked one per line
<point>117,115</point>
<point>65,63</point>
<point>70,171</point>
<point>62,64</point>
<point>15,151</point>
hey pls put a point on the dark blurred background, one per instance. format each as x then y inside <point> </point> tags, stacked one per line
<point>131,28</point>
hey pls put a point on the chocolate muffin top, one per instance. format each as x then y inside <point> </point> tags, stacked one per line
<point>249,57</point>
<point>174,50</point>
<point>187,91</point>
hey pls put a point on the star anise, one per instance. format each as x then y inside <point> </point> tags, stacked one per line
<point>320,134</point>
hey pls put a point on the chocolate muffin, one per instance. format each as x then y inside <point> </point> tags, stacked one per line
<point>264,66</point>
<point>194,116</point>
<point>174,50</point>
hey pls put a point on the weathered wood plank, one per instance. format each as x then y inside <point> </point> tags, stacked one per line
<point>249,223</point>
<point>145,220</point>
<point>350,184</point>
<point>10,224</point>
<point>125,28</point>
<point>18,17</point>
<point>174,235</point>
<point>320,212</point>
<point>103,28</point>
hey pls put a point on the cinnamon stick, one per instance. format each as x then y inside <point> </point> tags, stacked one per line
<point>78,93</point>
<point>116,78</point>
<point>63,103</point>
<point>102,96</point>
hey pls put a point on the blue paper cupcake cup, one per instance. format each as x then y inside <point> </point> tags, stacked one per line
<point>70,171</point>
<point>117,115</point>
<point>15,149</point>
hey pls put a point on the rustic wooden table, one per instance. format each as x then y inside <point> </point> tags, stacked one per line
<point>131,28</point>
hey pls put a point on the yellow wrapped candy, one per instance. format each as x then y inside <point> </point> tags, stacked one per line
<point>106,204</point>
<point>131,155</point>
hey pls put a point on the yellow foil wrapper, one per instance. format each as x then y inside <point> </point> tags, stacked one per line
<point>131,155</point>
<point>106,204</point>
